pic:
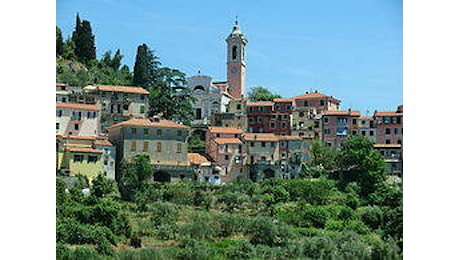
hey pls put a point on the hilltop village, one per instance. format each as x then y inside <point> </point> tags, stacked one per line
<point>98,126</point>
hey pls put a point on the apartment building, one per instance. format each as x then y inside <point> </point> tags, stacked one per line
<point>263,155</point>
<point>77,119</point>
<point>259,116</point>
<point>86,155</point>
<point>163,140</point>
<point>393,157</point>
<point>367,128</point>
<point>338,125</point>
<point>225,147</point>
<point>389,126</point>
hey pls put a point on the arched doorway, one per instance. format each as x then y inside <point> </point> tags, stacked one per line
<point>269,173</point>
<point>161,176</point>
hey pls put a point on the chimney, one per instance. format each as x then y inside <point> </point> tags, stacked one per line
<point>155,119</point>
<point>306,92</point>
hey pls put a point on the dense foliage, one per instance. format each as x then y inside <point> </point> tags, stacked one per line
<point>261,94</point>
<point>323,217</point>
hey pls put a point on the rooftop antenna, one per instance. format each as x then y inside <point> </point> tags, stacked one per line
<point>236,19</point>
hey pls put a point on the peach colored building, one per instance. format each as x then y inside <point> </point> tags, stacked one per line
<point>77,119</point>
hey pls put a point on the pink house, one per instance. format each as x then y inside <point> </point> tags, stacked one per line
<point>338,125</point>
<point>389,126</point>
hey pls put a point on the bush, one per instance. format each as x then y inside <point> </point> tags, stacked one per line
<point>267,231</point>
<point>372,216</point>
<point>242,250</point>
<point>102,186</point>
<point>163,213</point>
<point>191,249</point>
<point>230,224</point>
<point>167,231</point>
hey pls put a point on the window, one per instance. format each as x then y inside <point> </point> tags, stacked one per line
<point>76,115</point>
<point>227,157</point>
<point>92,158</point>
<point>179,132</point>
<point>272,144</point>
<point>158,146</point>
<point>146,131</point>
<point>252,144</point>
<point>142,109</point>
<point>277,107</point>
<point>327,131</point>
<point>57,126</point>
<point>387,141</point>
<point>198,113</point>
<point>387,131</point>
<point>263,144</point>
<point>159,132</point>
<point>353,132</point>
<point>146,146</point>
<point>58,113</point>
<point>217,135</point>
<point>133,131</point>
<point>64,100</point>
<point>142,97</point>
<point>371,133</point>
<point>133,146</point>
<point>272,125</point>
<point>125,107</point>
<point>91,114</point>
<point>78,158</point>
<point>305,103</point>
<point>353,121</point>
<point>301,114</point>
<point>283,125</point>
<point>234,48</point>
<point>250,109</point>
<point>398,120</point>
<point>322,102</point>
<point>288,107</point>
<point>326,120</point>
<point>399,141</point>
<point>76,126</point>
<point>396,131</point>
<point>238,106</point>
<point>179,148</point>
<point>363,133</point>
<point>301,134</point>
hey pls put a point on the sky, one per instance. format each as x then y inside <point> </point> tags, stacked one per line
<point>351,50</point>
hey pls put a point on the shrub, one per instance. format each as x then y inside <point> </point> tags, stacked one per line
<point>166,231</point>
<point>163,213</point>
<point>372,216</point>
<point>242,250</point>
<point>192,249</point>
<point>264,230</point>
<point>230,224</point>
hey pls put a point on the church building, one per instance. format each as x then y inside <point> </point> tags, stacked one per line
<point>212,98</point>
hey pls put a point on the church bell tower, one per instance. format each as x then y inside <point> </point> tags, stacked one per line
<point>236,64</point>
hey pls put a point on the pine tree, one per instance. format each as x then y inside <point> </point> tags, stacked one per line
<point>59,42</point>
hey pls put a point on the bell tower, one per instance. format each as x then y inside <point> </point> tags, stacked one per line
<point>236,61</point>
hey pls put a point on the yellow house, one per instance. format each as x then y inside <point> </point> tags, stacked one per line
<point>76,155</point>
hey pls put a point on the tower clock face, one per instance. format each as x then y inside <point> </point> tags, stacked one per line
<point>234,70</point>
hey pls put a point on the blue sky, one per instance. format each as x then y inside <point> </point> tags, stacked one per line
<point>351,49</point>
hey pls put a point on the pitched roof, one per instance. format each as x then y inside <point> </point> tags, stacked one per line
<point>283,100</point>
<point>224,130</point>
<point>387,146</point>
<point>289,138</point>
<point>82,149</point>
<point>365,117</point>
<point>262,137</point>
<point>341,113</point>
<point>316,95</point>
<point>260,104</point>
<point>196,158</point>
<point>124,89</point>
<point>148,123</point>
<point>228,141</point>
<point>103,143</point>
<point>387,113</point>
<point>77,106</point>
<point>61,84</point>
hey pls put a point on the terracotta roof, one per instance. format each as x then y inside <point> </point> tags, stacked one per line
<point>196,158</point>
<point>341,113</point>
<point>148,123</point>
<point>220,83</point>
<point>263,137</point>
<point>365,117</point>
<point>289,137</point>
<point>387,146</point>
<point>315,95</point>
<point>103,143</point>
<point>228,141</point>
<point>83,150</point>
<point>125,89</point>
<point>224,130</point>
<point>82,137</point>
<point>387,113</point>
<point>283,100</point>
<point>260,104</point>
<point>77,106</point>
<point>61,84</point>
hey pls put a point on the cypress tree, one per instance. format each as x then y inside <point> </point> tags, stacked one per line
<point>85,48</point>
<point>145,67</point>
<point>59,42</point>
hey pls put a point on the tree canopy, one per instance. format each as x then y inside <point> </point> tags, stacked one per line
<point>261,94</point>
